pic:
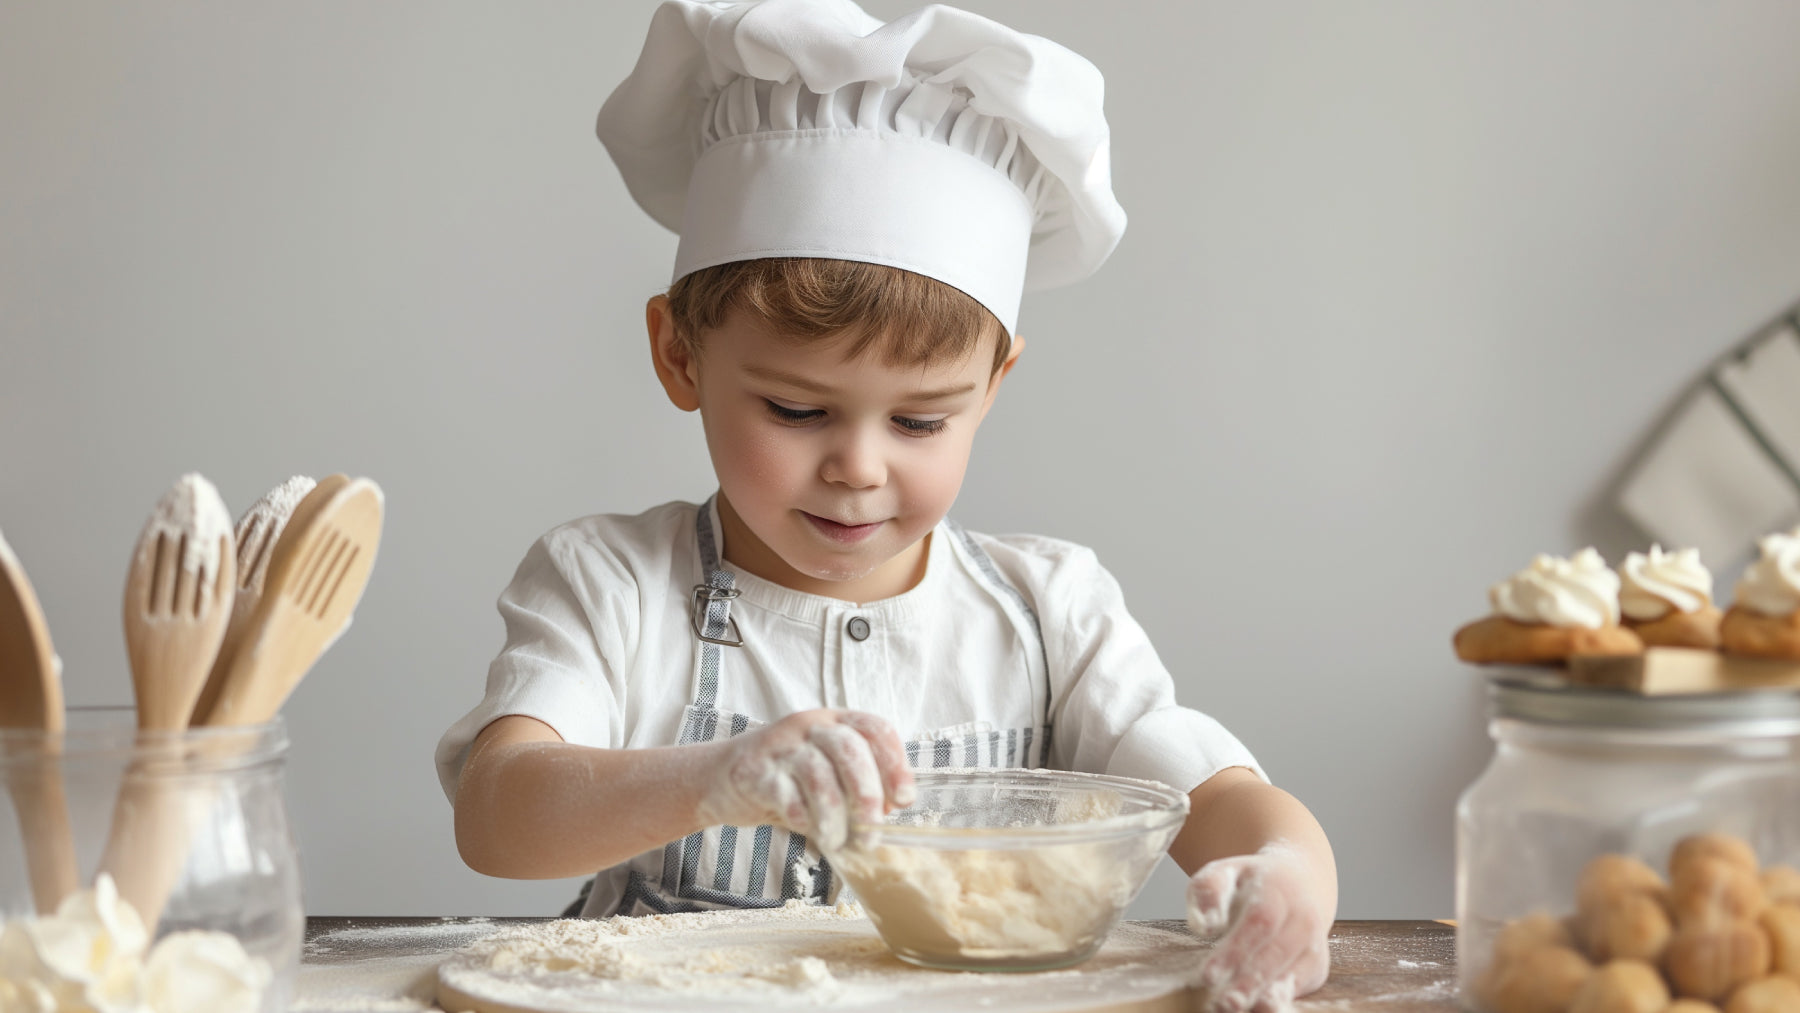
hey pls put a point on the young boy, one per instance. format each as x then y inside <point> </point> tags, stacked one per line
<point>689,697</point>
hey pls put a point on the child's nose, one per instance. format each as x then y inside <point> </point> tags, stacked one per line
<point>855,460</point>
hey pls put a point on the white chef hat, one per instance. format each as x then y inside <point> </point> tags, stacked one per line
<point>942,143</point>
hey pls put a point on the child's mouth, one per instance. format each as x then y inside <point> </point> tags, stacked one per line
<point>847,534</point>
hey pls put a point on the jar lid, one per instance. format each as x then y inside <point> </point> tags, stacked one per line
<point>1543,697</point>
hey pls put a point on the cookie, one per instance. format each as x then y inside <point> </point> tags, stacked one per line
<point>1497,640</point>
<point>1754,635</point>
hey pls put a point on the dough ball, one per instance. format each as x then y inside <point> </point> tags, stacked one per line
<point>1766,995</point>
<point>1708,961</point>
<point>1611,876</point>
<point>1691,1006</point>
<point>1708,889</point>
<point>1543,980</point>
<point>1623,986</point>
<point>1532,932</point>
<point>1721,846</point>
<point>1631,926</point>
<point>1782,923</point>
<point>1781,883</point>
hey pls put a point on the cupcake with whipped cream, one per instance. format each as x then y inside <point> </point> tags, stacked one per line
<point>1666,597</point>
<point>1547,612</point>
<point>1764,619</point>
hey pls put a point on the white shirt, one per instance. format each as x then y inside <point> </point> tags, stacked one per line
<point>600,647</point>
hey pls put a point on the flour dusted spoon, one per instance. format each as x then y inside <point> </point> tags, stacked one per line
<point>31,699</point>
<point>317,574</point>
<point>178,596</point>
<point>257,532</point>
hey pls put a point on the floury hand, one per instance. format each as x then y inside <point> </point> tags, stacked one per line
<point>1271,938</point>
<point>811,772</point>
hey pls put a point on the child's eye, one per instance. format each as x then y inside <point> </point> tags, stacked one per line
<point>920,427</point>
<point>786,414</point>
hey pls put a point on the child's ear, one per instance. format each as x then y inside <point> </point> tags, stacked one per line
<point>1012,359</point>
<point>673,360</point>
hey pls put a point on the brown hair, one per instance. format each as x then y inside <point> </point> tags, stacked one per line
<point>906,318</point>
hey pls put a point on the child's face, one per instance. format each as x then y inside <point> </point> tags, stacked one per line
<point>835,469</point>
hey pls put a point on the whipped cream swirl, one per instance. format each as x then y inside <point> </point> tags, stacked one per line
<point>1771,585</point>
<point>1582,591</point>
<point>1653,585</point>
<point>89,957</point>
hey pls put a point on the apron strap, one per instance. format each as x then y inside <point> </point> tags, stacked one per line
<point>710,613</point>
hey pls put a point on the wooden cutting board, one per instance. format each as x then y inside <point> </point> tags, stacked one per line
<point>1662,670</point>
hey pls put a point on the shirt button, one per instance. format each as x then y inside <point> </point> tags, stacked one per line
<point>858,628</point>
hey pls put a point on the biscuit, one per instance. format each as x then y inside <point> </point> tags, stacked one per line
<point>1680,629</point>
<point>1532,932</point>
<point>1752,634</point>
<point>1708,961</point>
<point>1724,846</point>
<point>1782,923</point>
<point>1543,980</point>
<point>1497,640</point>
<point>1633,926</point>
<point>1766,995</point>
<point>1707,890</point>
<point>1622,986</point>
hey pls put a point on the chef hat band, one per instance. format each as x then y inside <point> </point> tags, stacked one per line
<point>942,143</point>
<point>830,191</point>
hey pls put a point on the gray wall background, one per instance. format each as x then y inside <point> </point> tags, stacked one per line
<point>1405,287</point>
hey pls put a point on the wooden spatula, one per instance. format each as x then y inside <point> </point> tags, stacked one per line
<point>1661,670</point>
<point>178,597</point>
<point>177,601</point>
<point>316,577</point>
<point>257,532</point>
<point>31,699</point>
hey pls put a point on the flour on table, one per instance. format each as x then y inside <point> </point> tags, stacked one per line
<point>796,956</point>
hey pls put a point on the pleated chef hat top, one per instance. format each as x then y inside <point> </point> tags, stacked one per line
<point>942,143</point>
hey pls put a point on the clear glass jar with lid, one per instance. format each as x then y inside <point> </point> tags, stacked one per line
<point>1581,773</point>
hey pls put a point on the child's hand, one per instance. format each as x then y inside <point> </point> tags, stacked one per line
<point>1271,932</point>
<point>807,772</point>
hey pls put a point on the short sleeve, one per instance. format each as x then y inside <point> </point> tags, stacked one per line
<point>569,623</point>
<point>1112,705</point>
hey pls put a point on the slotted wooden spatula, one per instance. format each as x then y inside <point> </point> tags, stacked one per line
<point>257,532</point>
<point>178,595</point>
<point>31,699</point>
<point>317,574</point>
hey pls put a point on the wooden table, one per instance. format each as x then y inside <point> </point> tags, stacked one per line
<point>389,964</point>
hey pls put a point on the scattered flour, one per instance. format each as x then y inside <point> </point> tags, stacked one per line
<point>798,956</point>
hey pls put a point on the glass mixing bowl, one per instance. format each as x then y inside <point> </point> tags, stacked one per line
<point>1009,870</point>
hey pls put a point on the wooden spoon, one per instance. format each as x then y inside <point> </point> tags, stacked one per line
<point>177,601</point>
<point>257,532</point>
<point>31,698</point>
<point>316,577</point>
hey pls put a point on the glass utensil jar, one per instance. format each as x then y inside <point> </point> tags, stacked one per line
<point>196,819</point>
<point>1582,773</point>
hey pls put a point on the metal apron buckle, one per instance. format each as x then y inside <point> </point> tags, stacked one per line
<point>704,596</point>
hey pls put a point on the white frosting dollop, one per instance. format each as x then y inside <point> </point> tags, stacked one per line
<point>1771,585</point>
<point>1653,585</point>
<point>1582,591</point>
<point>204,971</point>
<point>89,957</point>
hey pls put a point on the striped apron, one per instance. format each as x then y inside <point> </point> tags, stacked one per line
<point>767,866</point>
